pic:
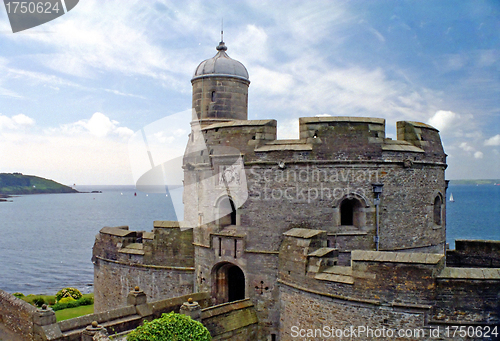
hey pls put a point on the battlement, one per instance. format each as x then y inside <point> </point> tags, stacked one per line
<point>417,283</point>
<point>328,138</point>
<point>166,253</point>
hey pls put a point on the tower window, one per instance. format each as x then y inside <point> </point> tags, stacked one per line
<point>351,212</point>
<point>212,96</point>
<point>437,210</point>
<point>227,212</point>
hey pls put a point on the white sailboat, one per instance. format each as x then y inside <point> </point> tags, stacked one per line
<point>451,198</point>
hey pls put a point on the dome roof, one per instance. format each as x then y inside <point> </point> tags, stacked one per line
<point>221,65</point>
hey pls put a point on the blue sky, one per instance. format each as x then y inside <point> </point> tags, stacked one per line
<point>74,90</point>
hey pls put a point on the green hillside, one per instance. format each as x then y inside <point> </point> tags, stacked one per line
<point>17,183</point>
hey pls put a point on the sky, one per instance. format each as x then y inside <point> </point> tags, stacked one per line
<point>76,90</point>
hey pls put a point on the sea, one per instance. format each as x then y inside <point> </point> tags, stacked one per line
<point>46,239</point>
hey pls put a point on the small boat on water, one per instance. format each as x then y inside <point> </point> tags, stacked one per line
<point>451,198</point>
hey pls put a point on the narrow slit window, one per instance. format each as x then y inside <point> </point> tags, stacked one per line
<point>437,210</point>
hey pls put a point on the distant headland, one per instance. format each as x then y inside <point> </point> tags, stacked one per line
<point>17,184</point>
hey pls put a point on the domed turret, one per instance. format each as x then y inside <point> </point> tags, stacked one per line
<point>220,89</point>
<point>221,65</point>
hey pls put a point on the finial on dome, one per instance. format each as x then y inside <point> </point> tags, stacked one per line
<point>222,46</point>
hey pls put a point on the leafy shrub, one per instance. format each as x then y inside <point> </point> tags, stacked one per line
<point>72,303</point>
<point>39,301</point>
<point>86,301</point>
<point>66,299</point>
<point>170,326</point>
<point>68,292</point>
<point>18,294</point>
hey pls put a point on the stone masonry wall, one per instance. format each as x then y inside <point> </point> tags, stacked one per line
<point>17,316</point>
<point>305,310</point>
<point>113,281</point>
<point>159,262</point>
<point>474,253</point>
<point>229,99</point>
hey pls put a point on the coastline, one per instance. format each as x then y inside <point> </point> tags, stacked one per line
<point>4,197</point>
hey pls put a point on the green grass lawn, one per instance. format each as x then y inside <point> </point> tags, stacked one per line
<point>63,314</point>
<point>70,313</point>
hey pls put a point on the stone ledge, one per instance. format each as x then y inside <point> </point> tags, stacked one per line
<point>289,141</point>
<point>421,125</point>
<point>281,147</point>
<point>470,273</point>
<point>348,233</point>
<point>395,257</point>
<point>306,120</point>
<point>180,268</point>
<point>303,233</point>
<point>120,231</point>
<point>166,224</point>
<point>326,294</point>
<point>334,278</point>
<point>225,308</point>
<point>241,123</point>
<point>401,148</point>
<point>321,252</point>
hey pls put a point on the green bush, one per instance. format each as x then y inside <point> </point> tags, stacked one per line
<point>39,301</point>
<point>68,292</point>
<point>66,299</point>
<point>18,294</point>
<point>172,326</point>
<point>72,303</point>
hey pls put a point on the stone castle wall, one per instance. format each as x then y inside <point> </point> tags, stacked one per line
<point>17,316</point>
<point>160,262</point>
<point>381,290</point>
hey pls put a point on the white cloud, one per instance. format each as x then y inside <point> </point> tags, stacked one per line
<point>119,93</point>
<point>98,125</point>
<point>77,158</point>
<point>443,120</point>
<point>70,153</point>
<point>15,122</point>
<point>465,146</point>
<point>250,45</point>
<point>493,141</point>
<point>271,82</point>
<point>471,150</point>
<point>288,129</point>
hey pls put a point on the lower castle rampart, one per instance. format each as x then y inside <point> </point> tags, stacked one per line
<point>391,290</point>
<point>160,262</point>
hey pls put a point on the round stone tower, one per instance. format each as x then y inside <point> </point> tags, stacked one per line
<point>220,89</point>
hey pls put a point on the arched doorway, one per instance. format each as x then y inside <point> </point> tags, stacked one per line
<point>228,283</point>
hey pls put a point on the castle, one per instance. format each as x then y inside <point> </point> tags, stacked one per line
<point>342,227</point>
<point>338,234</point>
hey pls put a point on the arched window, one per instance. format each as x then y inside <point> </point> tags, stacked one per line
<point>227,212</point>
<point>351,212</point>
<point>212,96</point>
<point>437,210</point>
